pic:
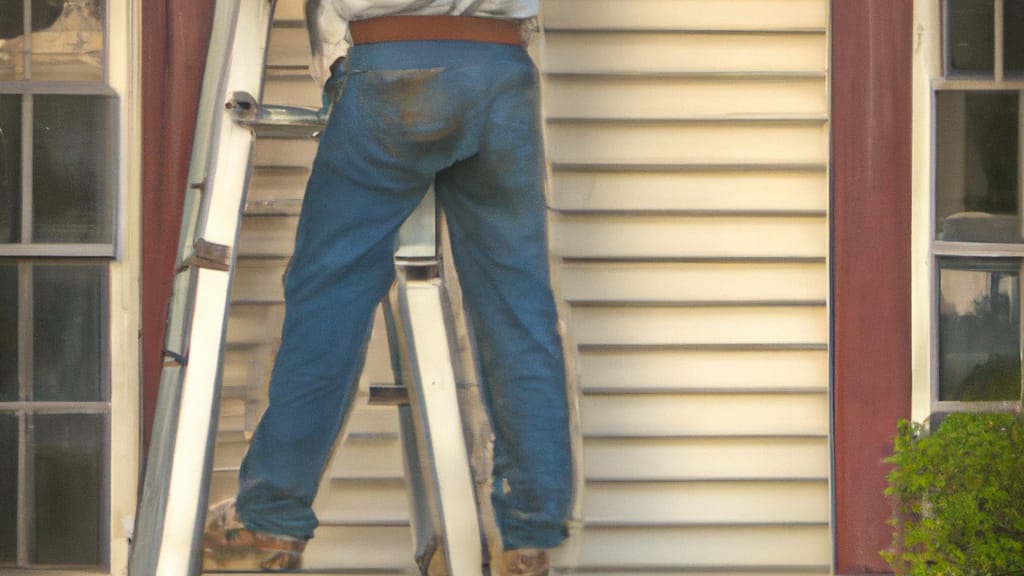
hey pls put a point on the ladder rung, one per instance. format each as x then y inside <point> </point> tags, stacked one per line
<point>388,395</point>
<point>276,121</point>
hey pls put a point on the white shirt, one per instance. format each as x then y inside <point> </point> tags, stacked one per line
<point>327,20</point>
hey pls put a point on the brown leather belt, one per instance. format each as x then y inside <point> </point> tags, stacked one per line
<point>406,28</point>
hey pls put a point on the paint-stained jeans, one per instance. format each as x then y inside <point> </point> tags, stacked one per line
<point>464,116</point>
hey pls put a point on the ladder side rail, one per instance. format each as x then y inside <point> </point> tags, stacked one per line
<point>173,500</point>
<point>425,524</point>
<point>476,423</point>
<point>417,313</point>
<point>152,506</point>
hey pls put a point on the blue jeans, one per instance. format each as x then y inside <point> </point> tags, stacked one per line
<point>465,117</point>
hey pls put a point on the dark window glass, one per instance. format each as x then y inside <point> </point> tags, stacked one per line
<point>979,329</point>
<point>8,487</point>
<point>69,332</point>
<point>8,332</point>
<point>976,166</point>
<point>970,40</point>
<point>12,24</point>
<point>73,169</point>
<point>10,167</point>
<point>12,29</point>
<point>68,457</point>
<point>1013,38</point>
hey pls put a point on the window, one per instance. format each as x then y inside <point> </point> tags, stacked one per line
<point>977,241</point>
<point>58,202</point>
<point>57,130</point>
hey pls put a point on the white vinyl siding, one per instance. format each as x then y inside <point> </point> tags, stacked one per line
<point>688,142</point>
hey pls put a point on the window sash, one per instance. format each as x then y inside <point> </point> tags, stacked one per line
<point>999,41</point>
<point>98,413</point>
<point>29,88</point>
<point>25,410</point>
<point>102,162</point>
<point>944,406</point>
<point>28,49</point>
<point>24,413</point>
<point>955,80</point>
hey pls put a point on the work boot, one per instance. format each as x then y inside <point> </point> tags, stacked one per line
<point>229,545</point>
<point>526,562</point>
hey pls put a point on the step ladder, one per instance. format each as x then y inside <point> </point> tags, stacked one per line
<point>451,534</point>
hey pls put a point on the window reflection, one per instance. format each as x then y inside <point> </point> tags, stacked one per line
<point>8,487</point>
<point>68,458</point>
<point>12,27</point>
<point>8,332</point>
<point>1013,38</point>
<point>971,36</point>
<point>68,333</point>
<point>976,183</point>
<point>73,169</point>
<point>10,168</point>
<point>67,39</point>
<point>979,329</point>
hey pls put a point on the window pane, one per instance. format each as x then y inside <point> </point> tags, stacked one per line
<point>1013,38</point>
<point>12,30</point>
<point>8,487</point>
<point>73,169</point>
<point>67,40</point>
<point>69,332</point>
<point>10,167</point>
<point>8,332</point>
<point>979,329</point>
<point>976,167</point>
<point>970,36</point>
<point>68,484</point>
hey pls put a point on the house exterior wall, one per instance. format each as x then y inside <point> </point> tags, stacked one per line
<point>627,101</point>
<point>689,160</point>
<point>693,257</point>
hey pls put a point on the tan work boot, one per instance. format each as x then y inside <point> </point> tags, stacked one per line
<point>525,562</point>
<point>229,545</point>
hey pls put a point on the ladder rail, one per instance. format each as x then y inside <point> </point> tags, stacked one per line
<point>167,536</point>
<point>441,485</point>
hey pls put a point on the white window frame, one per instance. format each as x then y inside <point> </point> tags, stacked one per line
<point>929,79</point>
<point>123,61</point>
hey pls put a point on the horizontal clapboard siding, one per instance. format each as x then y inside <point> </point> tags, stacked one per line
<point>685,143</point>
<point>696,53</point>
<point>699,190</point>
<point>688,142</point>
<point>681,15</point>
<point>643,98</point>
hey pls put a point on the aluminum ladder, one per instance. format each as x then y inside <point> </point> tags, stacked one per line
<point>175,488</point>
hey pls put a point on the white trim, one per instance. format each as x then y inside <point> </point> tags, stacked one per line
<point>123,73</point>
<point>35,250</point>
<point>927,66</point>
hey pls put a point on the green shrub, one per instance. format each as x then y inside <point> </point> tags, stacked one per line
<point>959,497</point>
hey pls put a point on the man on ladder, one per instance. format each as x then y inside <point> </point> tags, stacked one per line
<point>424,92</point>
